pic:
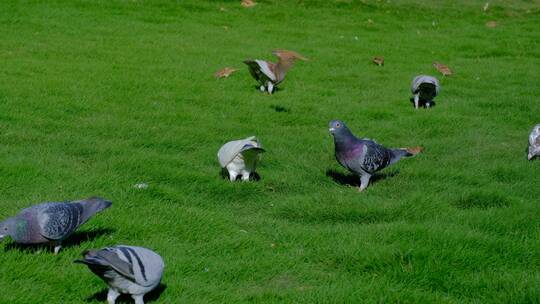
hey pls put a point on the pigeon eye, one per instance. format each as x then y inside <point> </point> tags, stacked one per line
<point>338,125</point>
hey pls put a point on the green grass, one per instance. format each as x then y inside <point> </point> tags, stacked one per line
<point>96,96</point>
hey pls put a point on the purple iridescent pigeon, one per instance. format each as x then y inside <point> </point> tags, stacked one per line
<point>364,156</point>
<point>50,222</point>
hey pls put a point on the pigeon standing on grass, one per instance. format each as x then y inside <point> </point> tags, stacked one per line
<point>534,142</point>
<point>270,74</point>
<point>50,222</point>
<point>424,89</point>
<point>364,156</point>
<point>126,269</point>
<point>240,157</point>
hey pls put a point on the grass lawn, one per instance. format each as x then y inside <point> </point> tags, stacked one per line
<point>97,96</point>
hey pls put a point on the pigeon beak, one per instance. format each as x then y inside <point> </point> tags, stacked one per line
<point>2,236</point>
<point>331,130</point>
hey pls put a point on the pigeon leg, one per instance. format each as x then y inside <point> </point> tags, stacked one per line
<point>232,176</point>
<point>262,88</point>
<point>245,176</point>
<point>112,295</point>
<point>57,248</point>
<point>416,100</point>
<point>364,181</point>
<point>270,88</point>
<point>138,299</point>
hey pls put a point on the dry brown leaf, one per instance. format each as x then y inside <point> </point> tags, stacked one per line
<point>486,6</point>
<point>226,28</point>
<point>379,60</point>
<point>443,69</point>
<point>225,72</point>
<point>248,3</point>
<point>491,24</point>
<point>222,9</point>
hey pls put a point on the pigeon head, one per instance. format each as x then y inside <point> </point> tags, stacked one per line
<point>7,228</point>
<point>338,128</point>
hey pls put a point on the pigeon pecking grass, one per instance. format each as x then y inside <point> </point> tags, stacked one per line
<point>269,74</point>
<point>424,89</point>
<point>240,157</point>
<point>51,222</point>
<point>126,269</point>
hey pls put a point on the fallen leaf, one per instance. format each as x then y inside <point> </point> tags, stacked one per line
<point>379,60</point>
<point>491,24</point>
<point>222,9</point>
<point>443,69</point>
<point>486,6</point>
<point>370,21</point>
<point>226,28</point>
<point>224,72</point>
<point>248,3</point>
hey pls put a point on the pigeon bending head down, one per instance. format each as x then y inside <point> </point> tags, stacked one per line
<point>424,89</point>
<point>534,143</point>
<point>240,157</point>
<point>364,156</point>
<point>50,222</point>
<point>269,74</point>
<point>126,269</point>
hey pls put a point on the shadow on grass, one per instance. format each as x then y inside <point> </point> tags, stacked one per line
<point>354,180</point>
<point>75,239</point>
<point>150,297</point>
<point>482,200</point>
<point>253,177</point>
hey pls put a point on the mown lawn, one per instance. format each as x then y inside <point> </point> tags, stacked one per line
<point>97,96</point>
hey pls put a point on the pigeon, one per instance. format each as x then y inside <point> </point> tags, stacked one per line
<point>126,269</point>
<point>240,157</point>
<point>50,222</point>
<point>534,142</point>
<point>424,89</point>
<point>364,156</point>
<point>269,74</point>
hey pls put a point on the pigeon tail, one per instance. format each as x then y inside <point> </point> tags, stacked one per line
<point>92,206</point>
<point>397,154</point>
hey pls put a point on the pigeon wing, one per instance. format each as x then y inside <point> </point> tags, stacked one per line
<point>229,150</point>
<point>59,220</point>
<point>261,70</point>
<point>145,265</point>
<point>376,157</point>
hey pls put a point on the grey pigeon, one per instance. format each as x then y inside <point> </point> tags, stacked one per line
<point>270,74</point>
<point>240,157</point>
<point>50,222</point>
<point>534,143</point>
<point>126,269</point>
<point>364,156</point>
<point>424,89</point>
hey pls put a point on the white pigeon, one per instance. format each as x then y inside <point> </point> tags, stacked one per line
<point>534,142</point>
<point>126,269</point>
<point>240,157</point>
